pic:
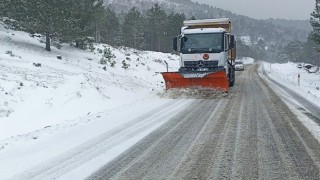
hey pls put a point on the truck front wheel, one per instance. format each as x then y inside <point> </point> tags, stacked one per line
<point>232,77</point>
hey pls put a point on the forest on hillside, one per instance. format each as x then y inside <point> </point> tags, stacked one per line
<point>81,22</point>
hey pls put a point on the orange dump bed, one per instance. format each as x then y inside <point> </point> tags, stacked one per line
<point>215,81</point>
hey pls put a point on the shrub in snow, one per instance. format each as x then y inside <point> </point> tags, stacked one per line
<point>59,57</point>
<point>107,53</point>
<point>91,47</point>
<point>125,65</point>
<point>10,53</point>
<point>99,50</point>
<point>37,64</point>
<point>56,44</point>
<point>89,42</point>
<point>158,61</point>
<point>112,63</point>
<point>103,60</point>
<point>108,57</point>
<point>85,43</point>
<point>171,58</point>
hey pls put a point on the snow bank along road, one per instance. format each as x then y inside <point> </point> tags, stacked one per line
<point>251,134</point>
<point>306,107</point>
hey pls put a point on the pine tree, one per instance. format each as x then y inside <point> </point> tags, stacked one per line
<point>172,29</point>
<point>132,29</point>
<point>90,14</point>
<point>315,23</point>
<point>50,18</point>
<point>3,9</point>
<point>294,51</point>
<point>110,28</point>
<point>155,19</point>
<point>310,54</point>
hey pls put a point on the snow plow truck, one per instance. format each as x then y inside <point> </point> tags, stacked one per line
<point>207,56</point>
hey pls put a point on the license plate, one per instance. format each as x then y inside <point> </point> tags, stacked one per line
<point>203,69</point>
<point>195,75</point>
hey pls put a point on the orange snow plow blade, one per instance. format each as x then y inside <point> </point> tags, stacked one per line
<point>215,81</point>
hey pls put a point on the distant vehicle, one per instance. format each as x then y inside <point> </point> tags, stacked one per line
<point>239,65</point>
<point>307,66</point>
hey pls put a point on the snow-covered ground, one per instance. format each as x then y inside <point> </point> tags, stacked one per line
<point>288,73</point>
<point>49,110</point>
<point>247,60</point>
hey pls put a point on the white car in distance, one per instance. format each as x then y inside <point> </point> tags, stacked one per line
<point>239,65</point>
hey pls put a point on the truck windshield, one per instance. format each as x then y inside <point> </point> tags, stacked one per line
<point>202,43</point>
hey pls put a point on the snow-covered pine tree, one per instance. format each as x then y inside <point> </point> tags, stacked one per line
<point>91,15</point>
<point>315,23</point>
<point>49,18</point>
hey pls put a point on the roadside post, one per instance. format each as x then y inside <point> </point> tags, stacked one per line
<point>298,79</point>
<point>167,66</point>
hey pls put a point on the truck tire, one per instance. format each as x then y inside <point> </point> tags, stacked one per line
<point>232,78</point>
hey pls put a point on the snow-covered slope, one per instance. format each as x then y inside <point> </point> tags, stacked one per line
<point>70,88</point>
<point>49,105</point>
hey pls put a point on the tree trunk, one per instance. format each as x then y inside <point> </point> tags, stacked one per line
<point>48,44</point>
<point>159,42</point>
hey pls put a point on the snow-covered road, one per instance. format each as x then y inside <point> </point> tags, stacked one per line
<point>251,134</point>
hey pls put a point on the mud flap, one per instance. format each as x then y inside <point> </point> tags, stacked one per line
<point>215,80</point>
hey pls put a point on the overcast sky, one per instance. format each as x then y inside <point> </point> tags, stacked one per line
<point>264,9</point>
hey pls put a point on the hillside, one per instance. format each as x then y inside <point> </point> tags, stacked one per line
<point>272,31</point>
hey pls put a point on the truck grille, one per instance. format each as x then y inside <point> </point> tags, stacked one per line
<point>204,64</point>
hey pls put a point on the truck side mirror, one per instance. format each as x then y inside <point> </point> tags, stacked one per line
<point>232,42</point>
<point>175,44</point>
